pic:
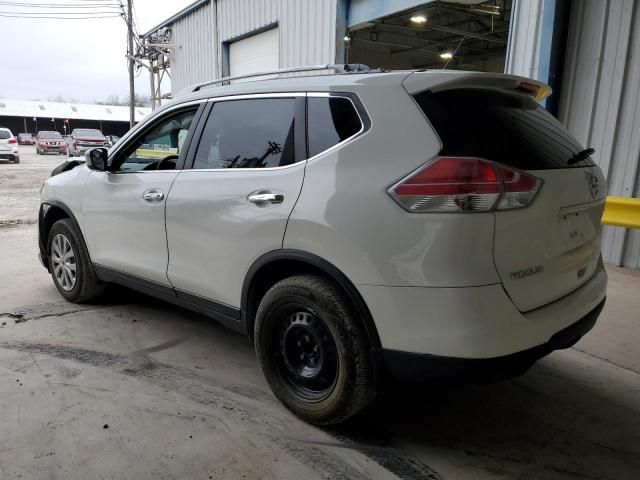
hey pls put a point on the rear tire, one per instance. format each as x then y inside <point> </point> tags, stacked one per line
<point>313,350</point>
<point>69,264</point>
<point>16,159</point>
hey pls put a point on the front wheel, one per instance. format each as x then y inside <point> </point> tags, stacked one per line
<point>69,264</point>
<point>313,350</point>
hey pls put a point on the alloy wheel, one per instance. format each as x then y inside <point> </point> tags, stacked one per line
<point>64,264</point>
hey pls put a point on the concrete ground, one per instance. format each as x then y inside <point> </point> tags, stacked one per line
<point>136,388</point>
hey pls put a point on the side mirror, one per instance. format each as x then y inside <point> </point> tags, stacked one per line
<point>97,159</point>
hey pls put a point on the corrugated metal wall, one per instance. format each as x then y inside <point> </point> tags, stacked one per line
<point>600,103</point>
<point>194,58</point>
<point>600,96</point>
<point>307,27</point>
<point>307,31</point>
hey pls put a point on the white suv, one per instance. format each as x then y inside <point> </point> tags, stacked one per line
<point>9,146</point>
<point>355,226</point>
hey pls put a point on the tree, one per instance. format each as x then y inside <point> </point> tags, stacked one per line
<point>114,99</point>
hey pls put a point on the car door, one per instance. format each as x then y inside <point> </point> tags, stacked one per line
<point>123,210</point>
<point>233,205</point>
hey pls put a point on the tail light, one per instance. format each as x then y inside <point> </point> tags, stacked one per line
<point>12,141</point>
<point>465,184</point>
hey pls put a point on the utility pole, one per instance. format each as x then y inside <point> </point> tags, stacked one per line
<point>153,83</point>
<point>132,91</point>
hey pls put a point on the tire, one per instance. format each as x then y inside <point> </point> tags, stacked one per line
<point>307,315</point>
<point>16,159</point>
<point>85,285</point>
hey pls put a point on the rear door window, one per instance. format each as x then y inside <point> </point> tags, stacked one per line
<point>507,128</point>
<point>330,121</point>
<point>254,133</point>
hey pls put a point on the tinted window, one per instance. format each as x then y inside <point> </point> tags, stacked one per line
<point>330,120</point>
<point>159,148</point>
<point>4,134</point>
<point>248,134</point>
<point>510,129</point>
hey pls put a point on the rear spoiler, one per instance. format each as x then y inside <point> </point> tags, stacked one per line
<point>440,80</point>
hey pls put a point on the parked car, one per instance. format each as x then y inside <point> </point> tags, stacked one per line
<point>48,141</point>
<point>359,226</point>
<point>26,139</point>
<point>82,139</point>
<point>9,146</point>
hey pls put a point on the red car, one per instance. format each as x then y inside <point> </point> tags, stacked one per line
<point>50,141</point>
<point>25,139</point>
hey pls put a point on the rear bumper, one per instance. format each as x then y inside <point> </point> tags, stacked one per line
<point>412,367</point>
<point>472,322</point>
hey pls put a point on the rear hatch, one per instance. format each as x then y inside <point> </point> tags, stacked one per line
<point>550,247</point>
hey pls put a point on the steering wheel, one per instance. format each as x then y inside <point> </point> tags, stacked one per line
<point>167,163</point>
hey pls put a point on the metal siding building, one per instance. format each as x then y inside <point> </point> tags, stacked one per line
<point>596,74</point>
<point>195,58</point>
<point>202,33</point>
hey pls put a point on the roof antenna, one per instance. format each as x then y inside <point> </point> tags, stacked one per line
<point>454,53</point>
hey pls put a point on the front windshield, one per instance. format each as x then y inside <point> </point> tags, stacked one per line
<point>50,135</point>
<point>89,133</point>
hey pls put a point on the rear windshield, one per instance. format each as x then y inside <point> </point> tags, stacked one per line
<point>24,135</point>
<point>88,133</point>
<point>49,135</point>
<point>505,128</point>
<point>4,134</point>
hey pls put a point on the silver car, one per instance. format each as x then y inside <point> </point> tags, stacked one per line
<point>357,226</point>
<point>9,146</point>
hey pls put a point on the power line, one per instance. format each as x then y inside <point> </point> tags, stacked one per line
<point>30,14</point>
<point>59,5</point>
<point>5,15</point>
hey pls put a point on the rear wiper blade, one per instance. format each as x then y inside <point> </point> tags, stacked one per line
<point>578,157</point>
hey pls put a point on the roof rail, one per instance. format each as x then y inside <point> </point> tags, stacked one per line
<point>338,68</point>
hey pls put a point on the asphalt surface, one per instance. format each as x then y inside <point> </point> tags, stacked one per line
<point>135,388</point>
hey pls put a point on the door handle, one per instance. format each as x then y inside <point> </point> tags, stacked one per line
<point>263,198</point>
<point>153,195</point>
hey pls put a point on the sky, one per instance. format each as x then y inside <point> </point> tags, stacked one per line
<point>79,59</point>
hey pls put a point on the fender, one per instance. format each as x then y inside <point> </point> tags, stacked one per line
<point>319,264</point>
<point>43,233</point>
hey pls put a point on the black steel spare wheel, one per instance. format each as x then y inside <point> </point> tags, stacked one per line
<point>312,350</point>
<point>308,354</point>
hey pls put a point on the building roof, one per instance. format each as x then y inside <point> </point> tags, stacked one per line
<point>174,18</point>
<point>73,111</point>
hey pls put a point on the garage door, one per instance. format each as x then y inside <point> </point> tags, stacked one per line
<point>258,53</point>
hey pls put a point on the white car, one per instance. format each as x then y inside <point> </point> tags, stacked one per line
<point>9,146</point>
<point>356,226</point>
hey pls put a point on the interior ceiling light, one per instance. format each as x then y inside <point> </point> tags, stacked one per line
<point>446,55</point>
<point>420,19</point>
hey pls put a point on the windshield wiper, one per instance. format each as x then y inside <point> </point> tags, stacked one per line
<point>578,157</point>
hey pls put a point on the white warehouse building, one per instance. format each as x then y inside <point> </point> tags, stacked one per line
<point>587,50</point>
